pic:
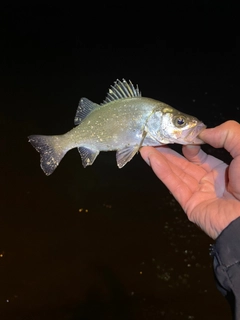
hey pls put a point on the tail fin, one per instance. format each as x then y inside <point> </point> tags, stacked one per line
<point>50,149</point>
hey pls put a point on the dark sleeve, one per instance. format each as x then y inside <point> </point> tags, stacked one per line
<point>226,264</point>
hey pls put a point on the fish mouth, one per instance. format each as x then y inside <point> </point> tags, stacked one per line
<point>192,136</point>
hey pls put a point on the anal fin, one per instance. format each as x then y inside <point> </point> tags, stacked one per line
<point>88,156</point>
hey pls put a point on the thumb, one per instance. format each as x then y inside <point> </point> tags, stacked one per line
<point>226,135</point>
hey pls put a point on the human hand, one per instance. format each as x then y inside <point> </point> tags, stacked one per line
<point>207,188</point>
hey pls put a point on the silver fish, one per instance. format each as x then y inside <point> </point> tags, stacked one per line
<point>124,122</point>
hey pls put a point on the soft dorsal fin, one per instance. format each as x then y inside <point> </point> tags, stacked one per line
<point>121,90</point>
<point>85,107</point>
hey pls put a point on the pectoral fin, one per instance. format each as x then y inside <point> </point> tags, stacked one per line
<point>88,156</point>
<point>125,155</point>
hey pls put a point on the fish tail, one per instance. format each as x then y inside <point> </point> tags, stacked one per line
<point>50,149</point>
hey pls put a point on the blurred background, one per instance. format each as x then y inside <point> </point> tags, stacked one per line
<point>102,242</point>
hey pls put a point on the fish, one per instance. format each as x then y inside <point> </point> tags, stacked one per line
<point>124,123</point>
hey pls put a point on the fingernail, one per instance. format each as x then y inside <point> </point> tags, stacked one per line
<point>192,146</point>
<point>148,161</point>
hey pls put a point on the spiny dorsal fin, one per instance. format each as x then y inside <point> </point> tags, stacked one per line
<point>121,90</point>
<point>85,107</point>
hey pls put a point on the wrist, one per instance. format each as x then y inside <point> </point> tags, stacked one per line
<point>224,219</point>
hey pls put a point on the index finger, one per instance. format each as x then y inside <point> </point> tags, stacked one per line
<point>226,135</point>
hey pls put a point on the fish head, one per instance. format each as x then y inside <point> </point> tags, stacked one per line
<point>178,127</point>
<point>168,125</point>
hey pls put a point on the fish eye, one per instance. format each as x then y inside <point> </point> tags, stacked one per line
<point>180,121</point>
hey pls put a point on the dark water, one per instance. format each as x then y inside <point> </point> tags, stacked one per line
<point>101,243</point>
